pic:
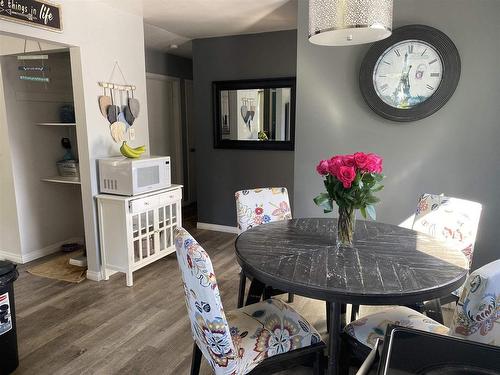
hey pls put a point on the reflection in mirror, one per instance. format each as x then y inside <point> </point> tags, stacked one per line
<point>255,114</point>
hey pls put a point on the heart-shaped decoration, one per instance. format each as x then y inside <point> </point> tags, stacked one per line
<point>113,111</point>
<point>104,103</point>
<point>244,111</point>
<point>251,115</point>
<point>118,130</point>
<point>129,117</point>
<point>121,118</point>
<point>134,107</point>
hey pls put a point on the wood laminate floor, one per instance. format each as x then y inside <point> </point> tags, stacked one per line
<point>109,328</point>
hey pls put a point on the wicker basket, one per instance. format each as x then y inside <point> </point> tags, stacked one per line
<point>68,168</point>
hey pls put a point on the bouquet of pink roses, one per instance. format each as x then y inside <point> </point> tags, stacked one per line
<point>351,181</point>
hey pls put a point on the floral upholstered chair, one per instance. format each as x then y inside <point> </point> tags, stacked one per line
<point>260,206</point>
<point>452,220</point>
<point>476,317</point>
<point>236,342</point>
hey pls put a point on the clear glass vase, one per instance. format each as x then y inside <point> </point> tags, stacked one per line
<point>345,226</point>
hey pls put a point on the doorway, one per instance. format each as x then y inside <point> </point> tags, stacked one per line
<point>164,118</point>
<point>171,128</point>
<point>41,202</point>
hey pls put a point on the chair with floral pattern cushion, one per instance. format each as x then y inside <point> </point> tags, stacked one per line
<point>452,220</point>
<point>258,338</point>
<point>476,317</point>
<point>260,206</point>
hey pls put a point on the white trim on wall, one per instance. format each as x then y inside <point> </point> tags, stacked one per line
<point>53,248</point>
<point>98,276</point>
<point>217,227</point>
<point>39,253</point>
<point>16,258</point>
<point>94,276</point>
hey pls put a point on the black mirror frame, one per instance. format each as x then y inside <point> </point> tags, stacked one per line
<point>219,86</point>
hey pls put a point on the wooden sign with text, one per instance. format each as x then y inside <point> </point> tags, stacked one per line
<point>32,12</point>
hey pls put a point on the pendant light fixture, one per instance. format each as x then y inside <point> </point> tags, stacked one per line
<point>349,22</point>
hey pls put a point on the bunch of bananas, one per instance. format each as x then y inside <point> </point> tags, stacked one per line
<point>130,152</point>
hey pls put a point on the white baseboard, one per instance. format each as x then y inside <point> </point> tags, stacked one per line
<point>53,248</point>
<point>35,254</point>
<point>16,258</point>
<point>94,276</point>
<point>217,227</point>
<point>97,276</point>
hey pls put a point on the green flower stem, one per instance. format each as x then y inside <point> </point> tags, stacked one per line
<point>345,226</point>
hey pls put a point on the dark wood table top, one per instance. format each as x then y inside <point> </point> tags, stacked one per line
<point>387,264</point>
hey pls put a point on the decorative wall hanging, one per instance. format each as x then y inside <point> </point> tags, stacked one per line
<point>349,22</point>
<point>28,70</point>
<point>410,75</point>
<point>120,116</point>
<point>35,13</point>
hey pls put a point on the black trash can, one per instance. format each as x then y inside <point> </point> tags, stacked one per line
<point>8,335</point>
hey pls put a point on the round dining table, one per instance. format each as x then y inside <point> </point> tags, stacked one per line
<point>387,265</point>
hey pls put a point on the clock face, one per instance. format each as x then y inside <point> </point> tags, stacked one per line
<point>407,74</point>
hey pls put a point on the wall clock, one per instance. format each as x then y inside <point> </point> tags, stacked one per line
<point>411,74</point>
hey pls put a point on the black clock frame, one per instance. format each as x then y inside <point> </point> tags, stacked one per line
<point>451,73</point>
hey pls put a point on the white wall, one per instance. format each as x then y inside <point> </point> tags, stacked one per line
<point>101,35</point>
<point>10,241</point>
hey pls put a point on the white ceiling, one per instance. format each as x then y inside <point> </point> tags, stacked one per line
<point>179,21</point>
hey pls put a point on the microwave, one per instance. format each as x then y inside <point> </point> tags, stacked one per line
<point>123,176</point>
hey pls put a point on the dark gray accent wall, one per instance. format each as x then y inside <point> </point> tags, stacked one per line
<point>220,173</point>
<point>164,63</point>
<point>455,151</point>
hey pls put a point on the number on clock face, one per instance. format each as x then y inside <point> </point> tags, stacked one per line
<point>407,74</point>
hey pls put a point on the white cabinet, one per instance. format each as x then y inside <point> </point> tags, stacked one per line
<point>136,231</point>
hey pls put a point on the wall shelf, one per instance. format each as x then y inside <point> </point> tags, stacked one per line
<point>56,123</point>
<point>63,180</point>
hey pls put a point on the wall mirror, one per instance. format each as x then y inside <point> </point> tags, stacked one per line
<point>255,114</point>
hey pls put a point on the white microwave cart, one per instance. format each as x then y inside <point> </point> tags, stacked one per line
<point>135,231</point>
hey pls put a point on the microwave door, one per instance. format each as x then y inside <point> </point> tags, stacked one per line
<point>146,178</point>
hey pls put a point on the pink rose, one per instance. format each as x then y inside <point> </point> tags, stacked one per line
<point>346,175</point>
<point>349,161</point>
<point>334,165</point>
<point>360,159</point>
<point>322,167</point>
<point>373,163</point>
